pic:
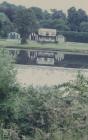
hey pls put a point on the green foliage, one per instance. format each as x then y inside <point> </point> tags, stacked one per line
<point>41,113</point>
<point>58,24</point>
<point>75,36</point>
<point>84,26</point>
<point>9,10</point>
<point>58,14</point>
<point>75,17</point>
<point>5,25</point>
<point>38,13</point>
<point>25,22</point>
<point>7,83</point>
<point>52,113</point>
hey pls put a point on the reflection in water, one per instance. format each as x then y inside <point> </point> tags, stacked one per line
<point>44,75</point>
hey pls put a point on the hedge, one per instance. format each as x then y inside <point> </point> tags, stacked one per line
<point>75,36</point>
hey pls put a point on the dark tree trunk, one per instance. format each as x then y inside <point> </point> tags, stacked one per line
<point>23,40</point>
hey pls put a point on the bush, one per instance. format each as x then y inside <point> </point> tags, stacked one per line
<point>49,113</point>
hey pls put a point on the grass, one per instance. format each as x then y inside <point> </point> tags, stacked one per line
<point>67,46</point>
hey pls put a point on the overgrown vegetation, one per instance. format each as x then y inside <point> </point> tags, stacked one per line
<point>57,113</point>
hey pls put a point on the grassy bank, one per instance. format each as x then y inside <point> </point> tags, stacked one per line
<point>67,46</point>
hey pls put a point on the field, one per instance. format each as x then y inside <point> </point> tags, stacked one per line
<point>67,46</point>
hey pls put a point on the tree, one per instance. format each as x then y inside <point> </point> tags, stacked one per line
<point>38,13</point>
<point>25,23</point>
<point>84,26</point>
<point>9,10</point>
<point>5,25</point>
<point>58,14</point>
<point>75,17</point>
<point>82,16</point>
<point>58,24</point>
<point>46,15</point>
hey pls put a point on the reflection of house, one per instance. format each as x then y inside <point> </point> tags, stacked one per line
<point>47,35</point>
<point>13,35</point>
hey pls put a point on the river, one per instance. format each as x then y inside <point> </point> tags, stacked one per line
<point>46,75</point>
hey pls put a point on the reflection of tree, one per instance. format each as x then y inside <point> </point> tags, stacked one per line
<point>45,58</point>
<point>22,57</point>
<point>33,58</point>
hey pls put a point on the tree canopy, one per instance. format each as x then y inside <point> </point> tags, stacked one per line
<point>30,19</point>
<point>25,23</point>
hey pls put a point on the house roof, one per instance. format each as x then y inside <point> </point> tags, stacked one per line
<point>14,33</point>
<point>47,32</point>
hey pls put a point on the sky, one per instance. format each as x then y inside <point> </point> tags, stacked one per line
<point>51,4</point>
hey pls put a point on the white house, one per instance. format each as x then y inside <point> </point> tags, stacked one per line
<point>47,35</point>
<point>13,35</point>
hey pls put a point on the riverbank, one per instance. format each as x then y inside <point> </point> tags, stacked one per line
<point>66,46</point>
<point>45,75</point>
